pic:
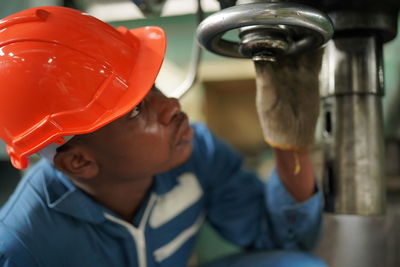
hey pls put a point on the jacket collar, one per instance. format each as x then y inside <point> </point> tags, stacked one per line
<point>63,196</point>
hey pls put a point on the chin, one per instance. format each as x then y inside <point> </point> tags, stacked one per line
<point>183,154</point>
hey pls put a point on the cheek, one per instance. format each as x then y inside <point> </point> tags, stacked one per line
<point>151,133</point>
<point>152,144</point>
<point>145,143</point>
<point>149,157</point>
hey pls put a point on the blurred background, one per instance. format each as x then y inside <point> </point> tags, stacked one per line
<point>223,97</point>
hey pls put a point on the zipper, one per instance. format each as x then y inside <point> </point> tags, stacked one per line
<point>137,233</point>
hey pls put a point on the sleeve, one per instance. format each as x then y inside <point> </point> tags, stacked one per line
<point>250,213</point>
<point>295,225</point>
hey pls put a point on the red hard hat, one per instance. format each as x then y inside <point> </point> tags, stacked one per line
<point>64,72</point>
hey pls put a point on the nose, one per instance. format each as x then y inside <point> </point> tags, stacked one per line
<point>166,107</point>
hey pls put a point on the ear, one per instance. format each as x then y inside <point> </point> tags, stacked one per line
<point>78,162</point>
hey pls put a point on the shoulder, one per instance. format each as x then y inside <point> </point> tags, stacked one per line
<point>26,216</point>
<point>17,220</point>
<point>31,225</point>
<point>13,251</point>
<point>208,146</point>
<point>205,143</point>
<point>211,155</point>
<point>28,196</point>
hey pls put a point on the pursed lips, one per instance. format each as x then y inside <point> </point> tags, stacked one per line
<point>184,132</point>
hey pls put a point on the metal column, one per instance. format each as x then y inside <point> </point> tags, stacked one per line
<point>352,87</point>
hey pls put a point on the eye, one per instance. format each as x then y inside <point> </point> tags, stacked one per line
<point>135,111</point>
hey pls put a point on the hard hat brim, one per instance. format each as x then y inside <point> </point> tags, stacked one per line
<point>149,59</point>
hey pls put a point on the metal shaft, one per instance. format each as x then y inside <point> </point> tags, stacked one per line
<point>352,78</point>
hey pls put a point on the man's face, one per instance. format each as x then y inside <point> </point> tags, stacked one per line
<point>154,137</point>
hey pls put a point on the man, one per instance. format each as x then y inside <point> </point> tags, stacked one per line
<point>125,180</point>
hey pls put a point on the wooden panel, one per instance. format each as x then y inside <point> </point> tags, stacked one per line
<point>231,114</point>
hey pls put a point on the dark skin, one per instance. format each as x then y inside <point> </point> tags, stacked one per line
<point>116,164</point>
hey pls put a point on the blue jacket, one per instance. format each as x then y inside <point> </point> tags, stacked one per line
<point>50,222</point>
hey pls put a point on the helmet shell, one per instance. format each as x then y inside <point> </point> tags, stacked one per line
<point>64,72</point>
